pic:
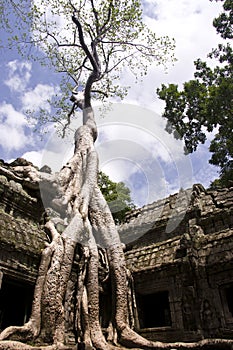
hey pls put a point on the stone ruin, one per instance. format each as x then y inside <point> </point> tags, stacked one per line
<point>179,251</point>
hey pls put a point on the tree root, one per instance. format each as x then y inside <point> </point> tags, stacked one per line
<point>15,345</point>
<point>28,331</point>
<point>206,344</point>
<point>131,339</point>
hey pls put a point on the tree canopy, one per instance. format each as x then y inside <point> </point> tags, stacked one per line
<point>113,38</point>
<point>205,104</point>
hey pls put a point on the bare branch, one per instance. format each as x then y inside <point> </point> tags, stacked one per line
<point>83,44</point>
<point>68,120</point>
<point>81,6</point>
<point>119,62</point>
<point>104,28</point>
<point>96,17</point>
<point>142,46</point>
<point>100,92</point>
<point>61,44</point>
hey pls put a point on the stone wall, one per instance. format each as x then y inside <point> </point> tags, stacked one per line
<point>193,264</point>
<point>21,243</point>
<point>21,237</point>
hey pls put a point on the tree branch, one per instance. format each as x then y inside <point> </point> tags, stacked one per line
<point>96,17</point>
<point>82,42</point>
<point>103,29</point>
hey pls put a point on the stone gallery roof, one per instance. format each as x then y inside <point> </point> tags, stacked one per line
<point>21,235</point>
<point>20,212</point>
<point>168,214</point>
<point>164,216</point>
<point>163,232</point>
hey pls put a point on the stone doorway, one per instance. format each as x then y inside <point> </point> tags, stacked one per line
<point>154,310</point>
<point>15,302</point>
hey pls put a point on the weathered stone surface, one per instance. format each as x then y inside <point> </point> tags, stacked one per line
<point>192,261</point>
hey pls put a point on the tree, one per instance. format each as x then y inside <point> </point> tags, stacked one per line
<point>117,195</point>
<point>205,103</point>
<point>225,179</point>
<point>104,35</point>
<point>115,31</point>
<point>95,38</point>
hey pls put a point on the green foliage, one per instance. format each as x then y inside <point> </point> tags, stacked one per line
<point>226,177</point>
<point>224,22</point>
<point>44,31</point>
<point>205,104</point>
<point>117,195</point>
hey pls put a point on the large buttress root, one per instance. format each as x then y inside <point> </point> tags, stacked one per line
<point>32,328</point>
<point>92,287</point>
<point>107,235</point>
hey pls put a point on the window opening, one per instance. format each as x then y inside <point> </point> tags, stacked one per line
<point>229,299</point>
<point>15,303</point>
<point>154,310</point>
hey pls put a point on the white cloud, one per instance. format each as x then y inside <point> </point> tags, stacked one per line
<point>12,132</point>
<point>39,97</point>
<point>16,132</point>
<point>19,74</point>
<point>11,117</point>
<point>12,139</point>
<point>204,172</point>
<point>134,147</point>
<point>190,23</point>
<point>33,156</point>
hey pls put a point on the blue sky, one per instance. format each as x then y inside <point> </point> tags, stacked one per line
<point>150,162</point>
